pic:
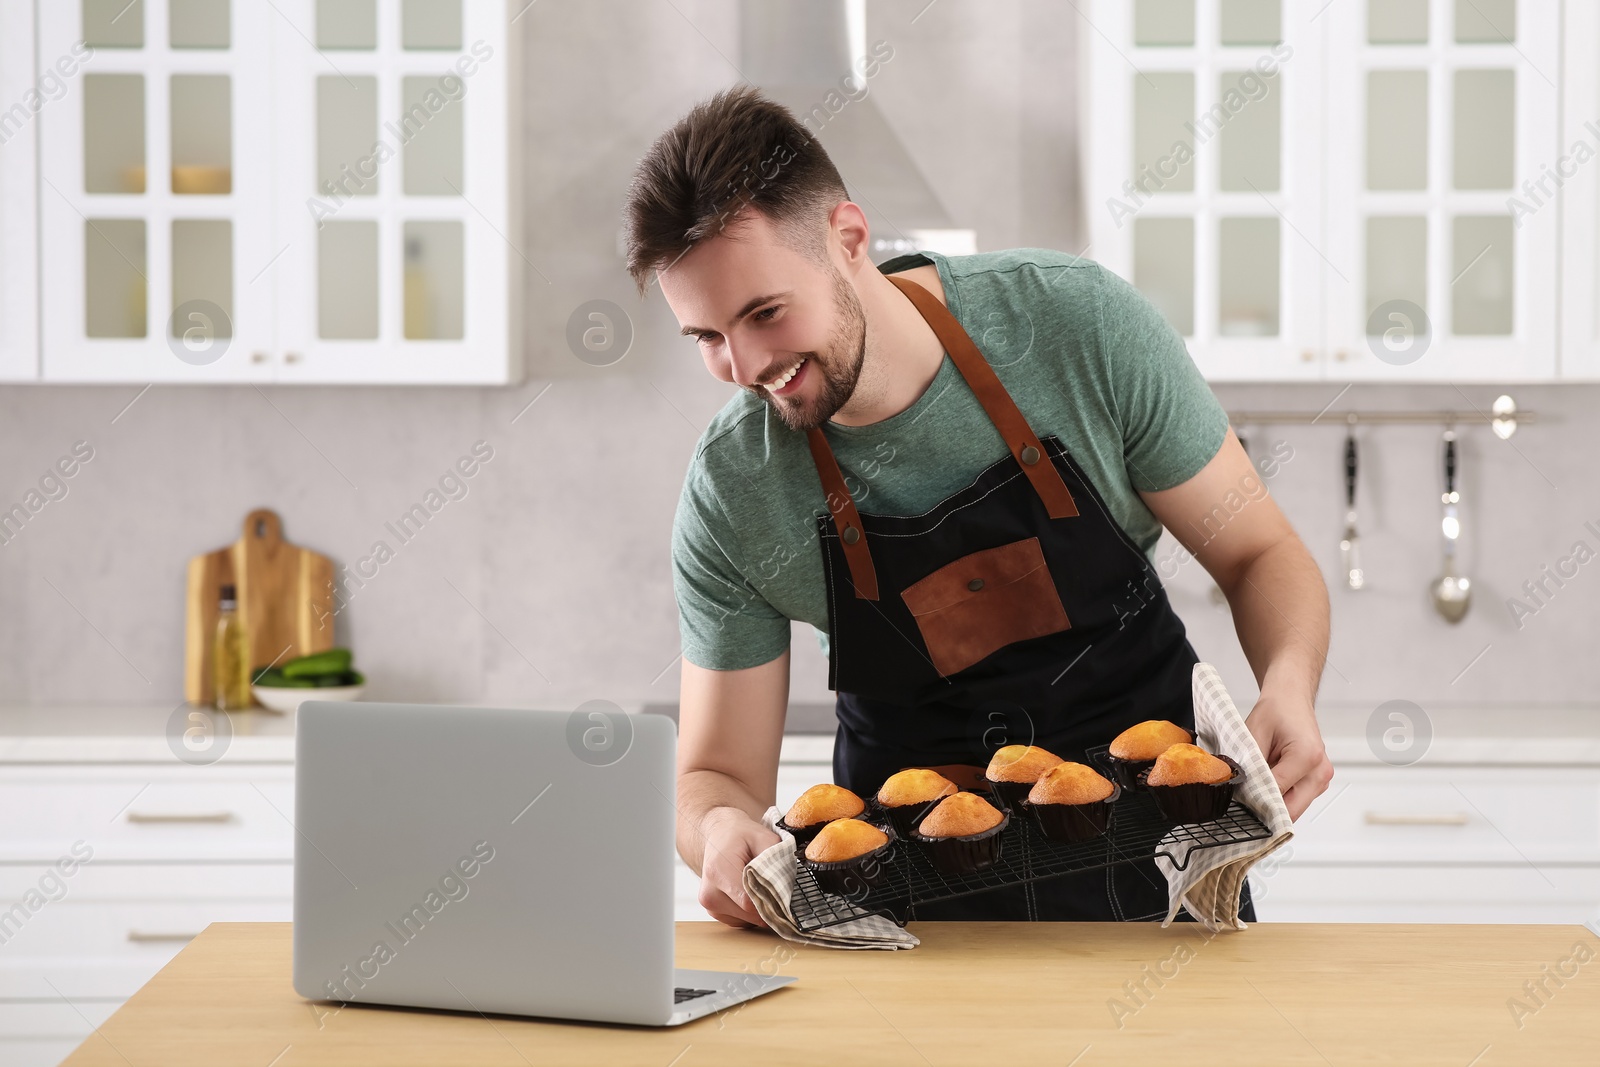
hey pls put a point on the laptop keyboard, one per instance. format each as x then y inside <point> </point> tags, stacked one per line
<point>683,993</point>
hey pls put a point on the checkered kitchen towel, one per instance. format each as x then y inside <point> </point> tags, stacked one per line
<point>769,881</point>
<point>1210,884</point>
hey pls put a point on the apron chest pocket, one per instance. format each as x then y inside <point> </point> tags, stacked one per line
<point>980,603</point>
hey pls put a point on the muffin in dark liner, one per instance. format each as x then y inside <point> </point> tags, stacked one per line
<point>1128,772</point>
<point>966,853</point>
<point>1009,795</point>
<point>1194,801</point>
<point>1072,823</point>
<point>802,838</point>
<point>852,878</point>
<point>904,818</point>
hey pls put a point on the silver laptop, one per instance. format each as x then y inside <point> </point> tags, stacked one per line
<point>494,861</point>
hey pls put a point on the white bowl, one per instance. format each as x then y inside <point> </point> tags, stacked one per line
<point>287,700</point>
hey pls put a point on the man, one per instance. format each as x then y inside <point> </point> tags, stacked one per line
<point>956,469</point>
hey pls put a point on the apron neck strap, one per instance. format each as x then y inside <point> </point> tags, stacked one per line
<point>845,518</point>
<point>997,404</point>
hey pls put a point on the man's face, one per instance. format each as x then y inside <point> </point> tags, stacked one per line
<point>758,307</point>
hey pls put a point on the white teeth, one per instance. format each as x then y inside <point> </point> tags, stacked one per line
<point>781,382</point>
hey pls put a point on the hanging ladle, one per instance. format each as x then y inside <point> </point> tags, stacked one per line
<point>1451,592</point>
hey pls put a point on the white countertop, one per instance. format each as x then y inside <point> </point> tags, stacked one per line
<point>1473,735</point>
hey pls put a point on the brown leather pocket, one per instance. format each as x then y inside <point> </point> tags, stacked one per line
<point>984,601</point>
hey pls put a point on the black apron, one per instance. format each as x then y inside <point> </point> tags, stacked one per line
<point>1015,611</point>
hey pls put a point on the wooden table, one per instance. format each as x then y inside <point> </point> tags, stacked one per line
<point>973,993</point>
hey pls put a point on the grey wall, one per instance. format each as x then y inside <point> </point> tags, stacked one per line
<point>549,582</point>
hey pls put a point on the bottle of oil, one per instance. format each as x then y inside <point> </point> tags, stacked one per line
<point>230,665</point>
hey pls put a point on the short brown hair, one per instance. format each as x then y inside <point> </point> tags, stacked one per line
<point>738,150</point>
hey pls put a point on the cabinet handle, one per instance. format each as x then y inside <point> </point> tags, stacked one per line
<point>1307,356</point>
<point>1341,355</point>
<point>291,357</point>
<point>166,816</point>
<point>258,357</point>
<point>1451,818</point>
<point>148,937</point>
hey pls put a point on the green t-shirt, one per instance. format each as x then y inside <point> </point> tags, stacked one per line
<point>1084,355</point>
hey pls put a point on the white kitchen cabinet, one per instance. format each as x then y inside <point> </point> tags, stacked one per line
<point>42,1035</point>
<point>107,869</point>
<point>1415,893</point>
<point>1442,843</point>
<point>1446,119</point>
<point>21,98</point>
<point>1371,158</point>
<point>1575,171</point>
<point>301,191</point>
<point>1208,210</point>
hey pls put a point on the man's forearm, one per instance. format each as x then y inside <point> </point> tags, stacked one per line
<point>700,794</point>
<point>1280,611</point>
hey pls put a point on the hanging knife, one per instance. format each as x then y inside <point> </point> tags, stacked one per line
<point>1350,546</point>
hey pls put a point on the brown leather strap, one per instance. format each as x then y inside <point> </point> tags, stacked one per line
<point>997,403</point>
<point>1002,410</point>
<point>845,518</point>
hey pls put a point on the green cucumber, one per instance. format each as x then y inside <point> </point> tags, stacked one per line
<point>268,676</point>
<point>334,661</point>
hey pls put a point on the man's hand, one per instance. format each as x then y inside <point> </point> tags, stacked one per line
<point>732,839</point>
<point>1286,730</point>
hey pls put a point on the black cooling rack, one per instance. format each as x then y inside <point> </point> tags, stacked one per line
<point>1026,855</point>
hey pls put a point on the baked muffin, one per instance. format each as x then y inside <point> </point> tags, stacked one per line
<point>1181,764</point>
<point>906,795</point>
<point>1136,748</point>
<point>1189,784</point>
<point>1149,739</point>
<point>1072,802</point>
<point>1013,770</point>
<point>962,833</point>
<point>845,839</point>
<point>849,857</point>
<point>818,806</point>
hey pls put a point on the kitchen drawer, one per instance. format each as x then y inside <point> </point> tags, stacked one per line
<point>42,1035</point>
<point>38,1051</point>
<point>1413,893</point>
<point>1508,815</point>
<point>132,813</point>
<point>102,949</point>
<point>152,881</point>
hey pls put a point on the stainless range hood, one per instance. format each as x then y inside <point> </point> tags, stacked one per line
<point>804,54</point>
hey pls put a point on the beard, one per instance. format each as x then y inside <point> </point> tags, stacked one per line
<point>839,365</point>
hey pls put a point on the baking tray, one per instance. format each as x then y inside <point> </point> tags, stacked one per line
<point>1135,832</point>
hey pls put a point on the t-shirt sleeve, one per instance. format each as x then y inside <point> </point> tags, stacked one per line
<point>1172,423</point>
<point>724,624</point>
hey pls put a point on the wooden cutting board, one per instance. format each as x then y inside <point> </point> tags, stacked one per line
<point>285,599</point>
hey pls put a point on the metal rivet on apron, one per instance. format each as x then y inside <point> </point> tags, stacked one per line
<point>851,535</point>
<point>975,585</point>
<point>1030,455</point>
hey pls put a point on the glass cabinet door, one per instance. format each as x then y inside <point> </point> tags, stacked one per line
<point>1578,166</point>
<point>393,199</point>
<point>1442,219</point>
<point>20,89</point>
<point>1205,182</point>
<point>154,167</point>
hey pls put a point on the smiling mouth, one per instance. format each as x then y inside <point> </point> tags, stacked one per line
<point>778,384</point>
